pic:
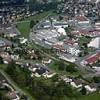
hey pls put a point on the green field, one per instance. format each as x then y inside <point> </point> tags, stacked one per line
<point>94,96</point>
<point>23,26</point>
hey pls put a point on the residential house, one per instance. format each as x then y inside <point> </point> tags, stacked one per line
<point>49,74</point>
<point>23,40</point>
<point>33,68</point>
<point>6,57</point>
<point>66,79</point>
<point>2,81</point>
<point>77,83</point>
<point>46,61</point>
<point>12,95</point>
<point>92,87</point>
<point>92,59</point>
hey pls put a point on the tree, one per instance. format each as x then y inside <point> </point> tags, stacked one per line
<point>27,75</point>
<point>55,78</point>
<point>11,69</point>
<point>51,90</point>
<point>96,79</point>
<point>85,45</point>
<point>1,60</point>
<point>32,23</point>
<point>63,90</point>
<point>60,18</point>
<point>83,90</point>
<point>71,68</point>
<point>68,31</point>
<point>80,54</point>
<point>23,97</point>
<point>0,96</point>
<point>39,55</point>
<point>61,66</point>
<point>51,21</point>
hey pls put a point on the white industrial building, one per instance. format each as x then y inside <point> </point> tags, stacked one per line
<point>73,51</point>
<point>61,31</point>
<point>95,43</point>
<point>73,48</point>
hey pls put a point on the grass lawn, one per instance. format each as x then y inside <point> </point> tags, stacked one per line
<point>24,28</point>
<point>55,66</point>
<point>94,96</point>
<point>24,25</point>
<point>2,66</point>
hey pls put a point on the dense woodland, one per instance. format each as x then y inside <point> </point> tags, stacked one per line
<point>41,88</point>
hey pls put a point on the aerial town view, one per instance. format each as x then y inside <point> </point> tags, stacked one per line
<point>49,49</point>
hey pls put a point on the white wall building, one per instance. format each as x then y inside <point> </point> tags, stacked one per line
<point>73,51</point>
<point>95,43</point>
<point>88,88</point>
<point>73,84</point>
<point>61,31</point>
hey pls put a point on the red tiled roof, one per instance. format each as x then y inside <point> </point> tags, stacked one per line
<point>84,31</point>
<point>93,58</point>
<point>69,41</point>
<point>12,95</point>
<point>93,32</point>
<point>57,46</point>
<point>81,18</point>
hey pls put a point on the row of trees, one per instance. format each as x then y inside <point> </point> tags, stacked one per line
<point>32,23</point>
<point>68,68</point>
